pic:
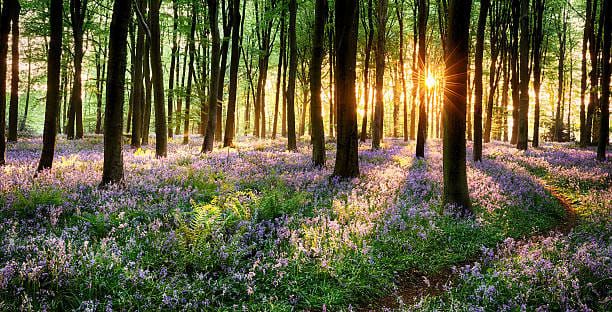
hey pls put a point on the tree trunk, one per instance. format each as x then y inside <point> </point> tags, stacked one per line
<point>514,60</point>
<point>190,73</point>
<point>113,113</point>
<point>279,73</point>
<point>161,127</point>
<point>523,130</point>
<point>78,11</point>
<point>292,144</point>
<point>346,29</point>
<point>604,125</point>
<point>422,27</point>
<point>477,120</point>
<point>318,51</point>
<point>14,104</point>
<point>146,122</point>
<point>54,61</point>
<point>5,28</point>
<point>173,61</point>
<point>456,192</point>
<point>399,9</point>
<point>594,53</point>
<point>537,70</point>
<point>227,31</point>
<point>366,72</point>
<point>24,118</point>
<point>233,83</point>
<point>137,86</point>
<point>213,13</point>
<point>381,18</point>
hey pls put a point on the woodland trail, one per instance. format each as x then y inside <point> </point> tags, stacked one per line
<point>414,285</point>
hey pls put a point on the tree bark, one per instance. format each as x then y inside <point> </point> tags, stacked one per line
<point>14,104</point>
<point>137,86</point>
<point>604,125</point>
<point>161,127</point>
<point>113,114</point>
<point>291,135</point>
<point>54,60</point>
<point>213,14</point>
<point>366,72</point>
<point>316,119</point>
<point>422,27</point>
<point>5,28</point>
<point>233,83</point>
<point>173,61</point>
<point>537,70</point>
<point>477,120</point>
<point>78,12</point>
<point>524,77</point>
<point>381,17</point>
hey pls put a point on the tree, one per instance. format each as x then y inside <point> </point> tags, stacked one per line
<point>78,12</point>
<point>381,18</point>
<point>318,135</point>
<point>346,29</point>
<point>480,34</point>
<point>161,128</point>
<point>173,66</point>
<point>113,112</point>
<point>5,28</point>
<point>537,68</point>
<point>604,125</point>
<point>190,72</point>
<point>279,73</point>
<point>213,13</point>
<point>54,59</point>
<point>233,83</point>
<point>292,142</point>
<point>423,12</point>
<point>14,104</point>
<point>524,77</point>
<point>137,86</point>
<point>366,71</point>
<point>583,81</point>
<point>456,191</point>
<point>399,10</point>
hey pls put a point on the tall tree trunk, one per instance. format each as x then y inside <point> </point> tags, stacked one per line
<point>213,14</point>
<point>279,73</point>
<point>381,18</point>
<point>161,127</point>
<point>190,72</point>
<point>521,143</point>
<point>78,11</point>
<point>422,27</point>
<point>366,71</point>
<point>318,51</point>
<point>558,122</point>
<point>604,125</point>
<point>480,34</point>
<point>537,70</point>
<point>415,79</point>
<point>5,28</point>
<point>583,80</point>
<point>292,142</point>
<point>399,9</point>
<point>594,53</point>
<point>233,83</point>
<point>227,31</point>
<point>14,104</point>
<point>456,192</point>
<point>54,60</point>
<point>146,122</point>
<point>514,60</point>
<point>24,118</point>
<point>137,86</point>
<point>346,29</point>
<point>173,61</point>
<point>113,113</point>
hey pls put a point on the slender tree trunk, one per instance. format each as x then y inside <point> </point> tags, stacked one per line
<point>318,51</point>
<point>415,79</point>
<point>137,86</point>
<point>456,192</point>
<point>594,53</point>
<point>346,29</point>
<point>5,28</point>
<point>604,125</point>
<point>422,27</point>
<point>233,83</point>
<point>227,29</point>
<point>381,17</point>
<point>537,70</point>
<point>161,127</point>
<point>292,142</point>
<point>54,60</point>
<point>366,72</point>
<point>173,61</point>
<point>146,123</point>
<point>279,73</point>
<point>480,34</point>
<point>22,125</point>
<point>14,104</point>
<point>78,11</point>
<point>213,13</point>
<point>583,79</point>
<point>399,9</point>
<point>524,77</point>
<point>113,114</point>
<point>190,72</point>
<point>514,30</point>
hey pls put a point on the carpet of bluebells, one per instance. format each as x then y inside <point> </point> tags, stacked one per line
<point>258,228</point>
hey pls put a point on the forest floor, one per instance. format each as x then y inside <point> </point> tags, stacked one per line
<point>259,228</point>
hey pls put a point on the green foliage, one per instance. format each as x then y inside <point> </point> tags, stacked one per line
<point>26,205</point>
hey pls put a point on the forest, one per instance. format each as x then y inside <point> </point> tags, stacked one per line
<point>305,155</point>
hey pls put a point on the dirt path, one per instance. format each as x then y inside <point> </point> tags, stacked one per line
<point>414,285</point>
